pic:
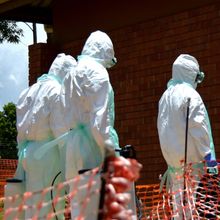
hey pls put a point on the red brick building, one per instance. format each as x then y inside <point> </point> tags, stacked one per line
<point>147,36</point>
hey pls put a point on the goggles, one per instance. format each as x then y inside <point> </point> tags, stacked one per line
<point>111,63</point>
<point>199,77</point>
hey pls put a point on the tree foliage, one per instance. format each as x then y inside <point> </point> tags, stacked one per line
<point>10,32</point>
<point>8,132</point>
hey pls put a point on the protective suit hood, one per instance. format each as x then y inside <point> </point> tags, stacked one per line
<point>99,46</point>
<point>185,69</point>
<point>61,66</point>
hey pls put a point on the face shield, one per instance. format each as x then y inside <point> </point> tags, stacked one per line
<point>199,77</point>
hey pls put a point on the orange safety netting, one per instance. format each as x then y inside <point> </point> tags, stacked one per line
<point>194,194</point>
<point>149,197</point>
<point>80,196</point>
<point>20,202</point>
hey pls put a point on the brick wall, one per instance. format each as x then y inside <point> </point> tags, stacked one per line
<point>41,56</point>
<point>145,54</point>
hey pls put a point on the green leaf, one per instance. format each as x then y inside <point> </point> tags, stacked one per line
<point>8,132</point>
<point>10,32</point>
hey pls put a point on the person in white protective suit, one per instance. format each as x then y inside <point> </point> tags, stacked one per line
<point>40,119</point>
<point>91,102</point>
<point>91,107</point>
<point>171,123</point>
<point>89,114</point>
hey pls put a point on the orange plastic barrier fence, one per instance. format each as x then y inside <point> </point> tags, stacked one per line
<point>194,195</point>
<point>150,199</point>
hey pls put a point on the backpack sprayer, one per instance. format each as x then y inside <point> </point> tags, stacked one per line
<point>127,151</point>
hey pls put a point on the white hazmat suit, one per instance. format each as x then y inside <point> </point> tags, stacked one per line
<point>89,113</point>
<point>171,123</point>
<point>40,119</point>
<point>91,104</point>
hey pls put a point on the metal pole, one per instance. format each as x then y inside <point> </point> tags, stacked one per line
<point>34,33</point>
<point>186,146</point>
<point>102,190</point>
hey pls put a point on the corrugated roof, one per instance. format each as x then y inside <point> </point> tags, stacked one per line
<point>3,1</point>
<point>38,11</point>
